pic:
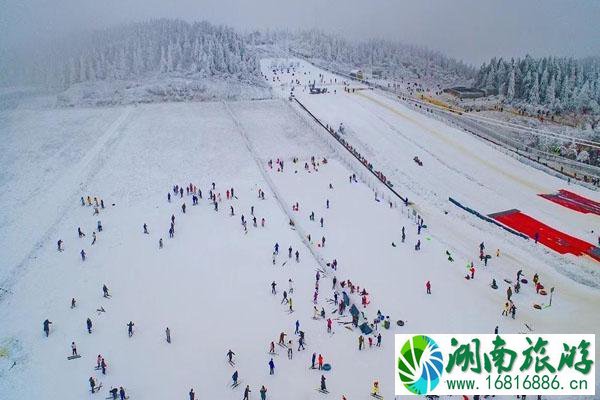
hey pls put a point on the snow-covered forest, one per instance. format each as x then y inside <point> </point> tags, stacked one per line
<point>398,60</point>
<point>168,59</point>
<point>132,50</point>
<point>557,83</point>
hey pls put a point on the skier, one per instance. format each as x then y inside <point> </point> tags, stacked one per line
<point>93,238</point>
<point>312,360</point>
<point>263,393</point>
<point>160,243</point>
<point>290,252</point>
<point>99,226</point>
<point>428,287</point>
<point>378,340</point>
<point>282,336</point>
<point>92,384</point>
<point>272,348</point>
<point>271,367</point>
<point>327,203</point>
<point>418,245</point>
<point>81,234</point>
<point>323,387</point>
<point>89,325</point>
<point>291,283</point>
<point>320,361</point>
<point>509,293</point>
<point>59,245</point>
<point>105,291</point>
<point>73,348</point>
<point>130,328</point>
<point>277,248</point>
<point>375,391</point>
<point>472,270</point>
<point>121,390</point>
<point>297,327</point>
<point>403,235</point>
<point>361,342</point>
<point>168,334</point>
<point>329,325</point>
<point>73,302</point>
<point>230,355</point>
<point>82,255</point>
<point>234,377</point>
<point>273,284</point>
<point>146,229</point>
<point>301,343</point>
<point>297,256</point>
<point>169,197</point>
<point>321,221</point>
<point>103,366</point>
<point>192,394</point>
<point>47,327</point>
<point>246,392</point>
<point>290,350</point>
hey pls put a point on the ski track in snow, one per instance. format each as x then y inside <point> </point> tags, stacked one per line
<point>85,170</point>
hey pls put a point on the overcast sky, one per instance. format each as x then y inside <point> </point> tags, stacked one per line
<point>472,30</point>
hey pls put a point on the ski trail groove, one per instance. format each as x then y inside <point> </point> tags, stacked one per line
<point>87,168</point>
<point>278,197</point>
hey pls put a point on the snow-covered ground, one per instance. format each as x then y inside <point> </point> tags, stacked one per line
<point>210,284</point>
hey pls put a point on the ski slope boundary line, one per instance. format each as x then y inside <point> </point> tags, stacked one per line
<point>280,200</point>
<point>89,166</point>
<point>318,121</point>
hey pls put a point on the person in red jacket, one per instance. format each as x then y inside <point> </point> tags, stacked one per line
<point>428,287</point>
<point>320,361</point>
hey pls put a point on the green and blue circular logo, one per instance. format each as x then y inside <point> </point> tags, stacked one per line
<point>420,364</point>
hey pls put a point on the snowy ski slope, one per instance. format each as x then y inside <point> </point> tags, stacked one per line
<point>211,283</point>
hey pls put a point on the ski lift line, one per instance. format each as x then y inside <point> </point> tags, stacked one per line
<point>545,133</point>
<point>507,125</point>
<point>280,200</point>
<point>550,156</point>
<point>558,136</point>
<point>592,169</point>
<point>532,129</point>
<point>354,155</point>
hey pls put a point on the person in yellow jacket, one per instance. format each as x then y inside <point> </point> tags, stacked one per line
<point>375,388</point>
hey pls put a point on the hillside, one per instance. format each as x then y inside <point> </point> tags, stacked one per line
<point>158,60</point>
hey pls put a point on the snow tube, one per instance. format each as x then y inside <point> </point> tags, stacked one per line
<point>524,281</point>
<point>326,367</point>
<point>537,306</point>
<point>543,292</point>
<point>400,322</point>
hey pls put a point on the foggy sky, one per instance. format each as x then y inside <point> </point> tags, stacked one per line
<point>472,30</point>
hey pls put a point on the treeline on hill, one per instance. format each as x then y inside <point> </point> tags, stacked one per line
<point>556,83</point>
<point>133,50</point>
<point>396,59</point>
